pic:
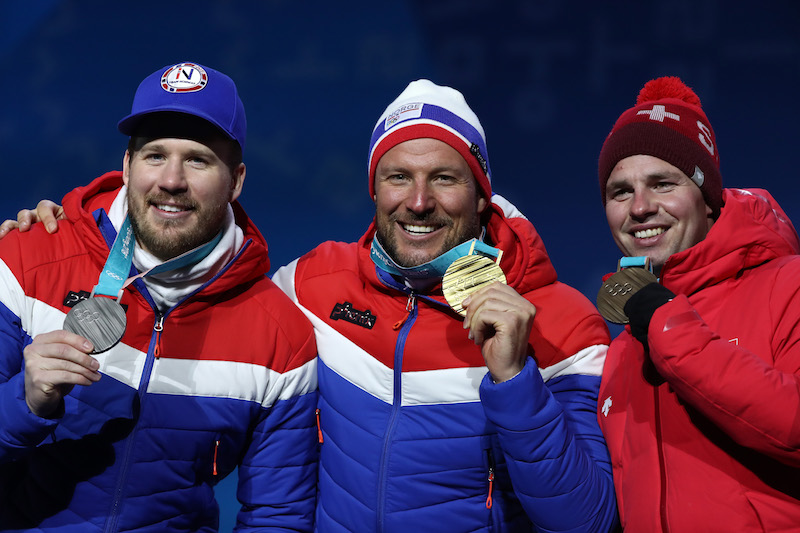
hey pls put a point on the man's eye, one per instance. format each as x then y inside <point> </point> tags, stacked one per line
<point>620,194</point>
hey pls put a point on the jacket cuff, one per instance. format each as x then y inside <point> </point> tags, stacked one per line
<point>20,427</point>
<point>517,403</point>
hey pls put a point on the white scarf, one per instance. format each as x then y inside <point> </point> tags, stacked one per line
<point>168,288</point>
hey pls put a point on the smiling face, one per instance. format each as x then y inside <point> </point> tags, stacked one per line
<point>654,209</point>
<point>426,201</point>
<point>178,193</point>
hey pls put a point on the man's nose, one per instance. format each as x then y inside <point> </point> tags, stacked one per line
<point>421,198</point>
<point>643,204</point>
<point>173,178</point>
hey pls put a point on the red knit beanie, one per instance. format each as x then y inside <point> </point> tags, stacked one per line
<point>668,123</point>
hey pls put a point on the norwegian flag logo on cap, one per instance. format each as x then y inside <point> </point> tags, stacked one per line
<point>184,78</point>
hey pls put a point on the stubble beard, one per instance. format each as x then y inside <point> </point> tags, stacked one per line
<point>170,238</point>
<point>387,238</point>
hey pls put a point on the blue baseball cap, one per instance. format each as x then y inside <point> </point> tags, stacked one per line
<point>192,89</point>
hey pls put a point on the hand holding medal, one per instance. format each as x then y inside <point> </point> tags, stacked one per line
<point>632,274</point>
<point>499,318</point>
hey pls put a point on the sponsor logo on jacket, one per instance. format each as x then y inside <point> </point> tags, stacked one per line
<point>346,312</point>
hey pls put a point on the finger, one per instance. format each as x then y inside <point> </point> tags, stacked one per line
<point>25,219</point>
<point>48,212</point>
<point>62,344</point>
<point>7,226</point>
<point>56,372</point>
<point>62,336</point>
<point>499,293</point>
<point>497,308</point>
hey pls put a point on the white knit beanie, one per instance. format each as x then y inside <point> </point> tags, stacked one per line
<point>426,110</point>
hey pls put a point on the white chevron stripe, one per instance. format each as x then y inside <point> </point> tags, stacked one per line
<point>229,379</point>
<point>185,377</point>
<point>443,386</point>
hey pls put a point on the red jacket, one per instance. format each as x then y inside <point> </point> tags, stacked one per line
<point>704,433</point>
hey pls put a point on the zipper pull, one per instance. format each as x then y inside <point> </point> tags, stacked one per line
<point>319,427</point>
<point>410,305</point>
<point>159,326</point>
<point>491,487</point>
<point>216,449</point>
<point>490,457</point>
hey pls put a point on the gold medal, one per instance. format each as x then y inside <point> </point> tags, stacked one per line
<point>618,289</point>
<point>468,274</point>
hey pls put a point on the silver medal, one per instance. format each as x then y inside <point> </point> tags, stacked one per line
<point>101,320</point>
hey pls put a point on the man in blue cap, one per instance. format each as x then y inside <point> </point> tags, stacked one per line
<point>127,389</point>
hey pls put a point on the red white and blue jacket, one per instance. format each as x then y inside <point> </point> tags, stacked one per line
<point>226,378</point>
<point>703,432</point>
<point>416,436</point>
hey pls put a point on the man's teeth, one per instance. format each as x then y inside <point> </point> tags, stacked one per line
<point>418,229</point>
<point>648,233</point>
<point>170,208</point>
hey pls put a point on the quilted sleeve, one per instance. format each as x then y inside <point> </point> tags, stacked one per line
<point>20,430</point>
<point>753,397</point>
<point>556,455</point>
<point>278,472</point>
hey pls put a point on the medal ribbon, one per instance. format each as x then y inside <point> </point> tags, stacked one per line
<point>434,268</point>
<point>638,261</point>
<point>114,277</point>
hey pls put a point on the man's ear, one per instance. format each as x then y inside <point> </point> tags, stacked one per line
<point>126,167</point>
<point>238,181</point>
<point>483,203</point>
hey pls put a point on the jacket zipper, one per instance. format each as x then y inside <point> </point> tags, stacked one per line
<point>152,354</point>
<point>661,462</point>
<point>158,328</point>
<point>155,351</point>
<point>397,400</point>
<point>410,305</point>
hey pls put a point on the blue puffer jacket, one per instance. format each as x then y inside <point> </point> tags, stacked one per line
<point>416,437</point>
<point>226,378</point>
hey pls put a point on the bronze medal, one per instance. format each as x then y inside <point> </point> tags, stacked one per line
<point>466,275</point>
<point>618,289</point>
<point>101,320</point>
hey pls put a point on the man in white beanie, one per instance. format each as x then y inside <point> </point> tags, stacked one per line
<point>416,434</point>
<point>424,425</point>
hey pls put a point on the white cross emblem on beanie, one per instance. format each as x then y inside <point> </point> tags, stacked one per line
<point>659,113</point>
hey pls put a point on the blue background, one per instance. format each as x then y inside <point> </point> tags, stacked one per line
<point>547,79</point>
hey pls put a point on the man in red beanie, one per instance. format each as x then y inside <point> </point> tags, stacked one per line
<point>700,393</point>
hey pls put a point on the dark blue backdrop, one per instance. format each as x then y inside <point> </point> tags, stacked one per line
<point>547,78</point>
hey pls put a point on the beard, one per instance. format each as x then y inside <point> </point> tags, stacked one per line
<point>384,226</point>
<point>167,239</point>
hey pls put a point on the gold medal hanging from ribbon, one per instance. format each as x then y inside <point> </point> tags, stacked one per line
<point>468,274</point>
<point>617,289</point>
